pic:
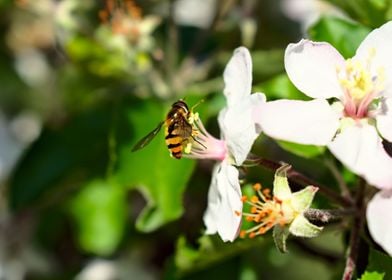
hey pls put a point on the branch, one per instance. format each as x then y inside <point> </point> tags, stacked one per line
<point>330,164</point>
<point>355,237</point>
<point>302,180</point>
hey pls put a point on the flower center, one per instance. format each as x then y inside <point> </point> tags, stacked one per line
<point>361,85</point>
<point>266,212</point>
<point>203,145</point>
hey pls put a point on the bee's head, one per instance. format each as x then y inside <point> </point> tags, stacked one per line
<point>180,104</point>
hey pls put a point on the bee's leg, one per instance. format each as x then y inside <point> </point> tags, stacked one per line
<point>195,132</point>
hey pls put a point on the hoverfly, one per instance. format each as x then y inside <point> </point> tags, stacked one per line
<point>178,130</point>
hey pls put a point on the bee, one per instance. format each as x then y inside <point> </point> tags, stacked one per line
<point>179,130</point>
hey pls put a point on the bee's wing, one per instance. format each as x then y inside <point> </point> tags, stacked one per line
<point>147,139</point>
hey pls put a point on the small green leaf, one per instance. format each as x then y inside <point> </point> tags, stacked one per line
<point>379,266</point>
<point>305,151</point>
<point>100,214</point>
<point>372,276</point>
<point>303,228</point>
<point>280,235</point>
<point>344,35</point>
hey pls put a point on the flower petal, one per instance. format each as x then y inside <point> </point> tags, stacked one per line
<point>380,41</point>
<point>360,148</point>
<point>312,68</point>
<point>384,119</point>
<point>238,126</point>
<point>379,216</point>
<point>223,214</point>
<point>281,188</point>
<point>301,200</point>
<point>303,228</point>
<point>305,122</point>
<point>238,76</point>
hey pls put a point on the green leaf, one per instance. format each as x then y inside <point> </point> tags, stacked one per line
<point>372,276</point>
<point>280,87</point>
<point>271,58</point>
<point>345,36</point>
<point>211,250</point>
<point>72,152</point>
<point>160,178</point>
<point>305,151</point>
<point>379,266</point>
<point>100,212</point>
<point>372,13</point>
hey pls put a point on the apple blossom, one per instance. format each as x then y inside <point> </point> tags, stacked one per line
<point>238,132</point>
<point>359,115</point>
<point>283,211</point>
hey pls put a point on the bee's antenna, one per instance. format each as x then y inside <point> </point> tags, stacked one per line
<point>197,104</point>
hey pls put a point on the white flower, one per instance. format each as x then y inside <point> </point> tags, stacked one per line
<point>238,132</point>
<point>359,116</point>
<point>379,216</point>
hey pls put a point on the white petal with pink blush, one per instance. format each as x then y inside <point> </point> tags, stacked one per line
<point>224,203</point>
<point>308,122</point>
<point>238,76</point>
<point>379,217</point>
<point>238,126</point>
<point>311,66</point>
<point>360,148</point>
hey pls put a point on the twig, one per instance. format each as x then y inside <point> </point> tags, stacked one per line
<point>330,164</point>
<point>355,237</point>
<point>302,180</point>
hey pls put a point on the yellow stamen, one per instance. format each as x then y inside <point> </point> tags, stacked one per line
<point>266,211</point>
<point>358,81</point>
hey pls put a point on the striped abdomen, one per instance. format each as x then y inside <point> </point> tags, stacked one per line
<point>178,130</point>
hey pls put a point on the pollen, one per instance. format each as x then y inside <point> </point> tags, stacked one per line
<point>265,212</point>
<point>257,187</point>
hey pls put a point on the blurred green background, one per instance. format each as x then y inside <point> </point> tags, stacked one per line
<point>82,81</point>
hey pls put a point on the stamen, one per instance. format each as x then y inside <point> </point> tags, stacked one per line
<point>203,144</point>
<point>266,211</point>
<point>360,85</point>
